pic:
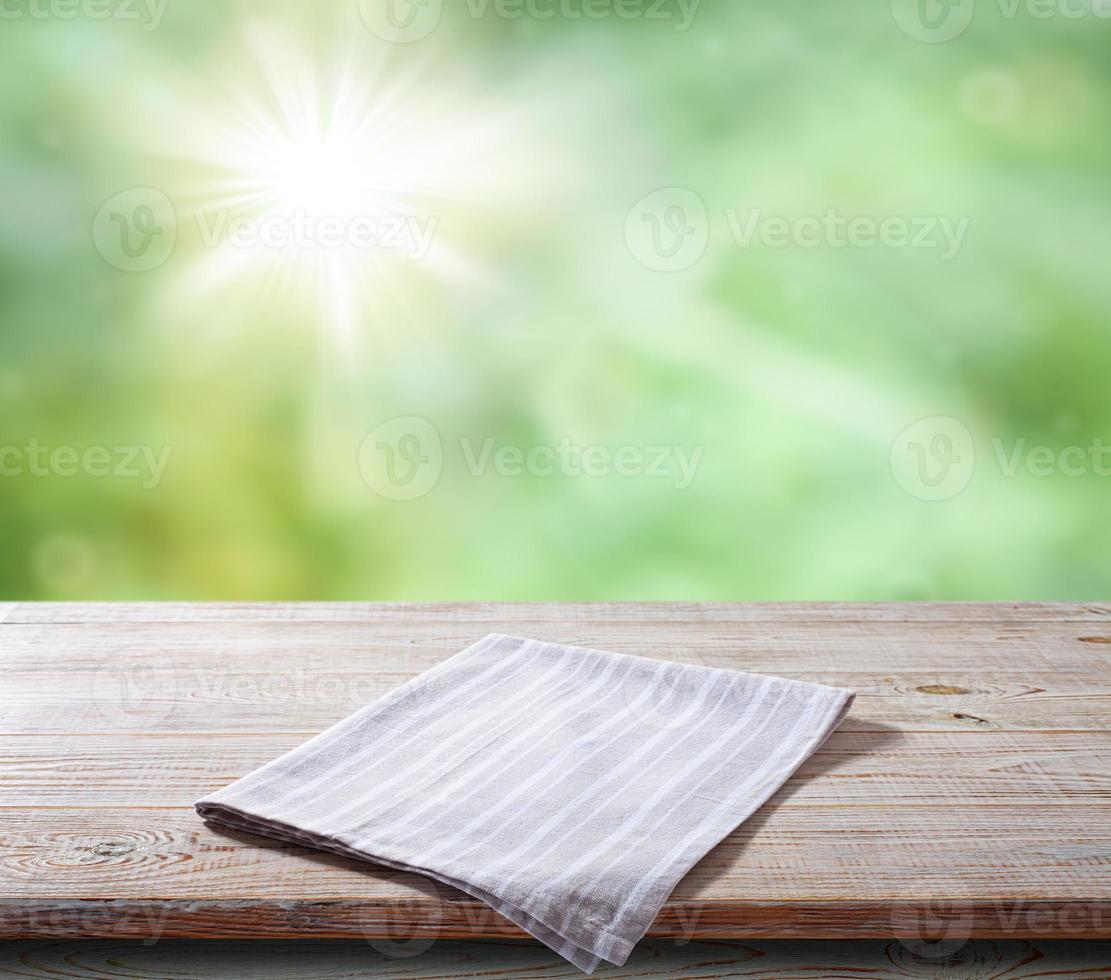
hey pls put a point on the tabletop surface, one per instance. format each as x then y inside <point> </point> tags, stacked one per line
<point>968,791</point>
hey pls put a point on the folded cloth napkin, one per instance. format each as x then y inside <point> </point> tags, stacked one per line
<point>568,788</point>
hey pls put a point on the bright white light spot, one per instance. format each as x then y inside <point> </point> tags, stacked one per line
<point>343,191</point>
<point>321,178</point>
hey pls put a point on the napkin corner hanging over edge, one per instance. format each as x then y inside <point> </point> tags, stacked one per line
<point>568,788</point>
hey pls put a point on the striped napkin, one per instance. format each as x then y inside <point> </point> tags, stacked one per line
<point>569,789</point>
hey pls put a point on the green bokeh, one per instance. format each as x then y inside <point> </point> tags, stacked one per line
<point>790,371</point>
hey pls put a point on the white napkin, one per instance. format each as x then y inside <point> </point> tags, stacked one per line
<point>570,789</point>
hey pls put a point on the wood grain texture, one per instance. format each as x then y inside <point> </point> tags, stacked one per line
<point>652,960</point>
<point>891,768</point>
<point>970,786</point>
<point>236,696</point>
<point>301,675</point>
<point>783,854</point>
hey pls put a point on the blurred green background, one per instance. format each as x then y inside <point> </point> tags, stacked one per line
<point>858,418</point>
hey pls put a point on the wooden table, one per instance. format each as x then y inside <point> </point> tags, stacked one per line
<point>968,794</point>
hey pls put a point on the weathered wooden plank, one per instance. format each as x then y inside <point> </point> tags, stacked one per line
<point>817,867</point>
<point>151,919</point>
<point>565,612</point>
<point>301,677</point>
<point>129,697</point>
<point>975,769</point>
<point>414,958</point>
<point>811,646</point>
<point>889,768</point>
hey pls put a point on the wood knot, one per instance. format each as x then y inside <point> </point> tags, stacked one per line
<point>941,689</point>
<point>982,722</point>
<point>1095,639</point>
<point>112,848</point>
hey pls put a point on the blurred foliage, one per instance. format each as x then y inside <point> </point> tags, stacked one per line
<point>792,369</point>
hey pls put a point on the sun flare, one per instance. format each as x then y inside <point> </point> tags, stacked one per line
<point>330,182</point>
<point>317,176</point>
